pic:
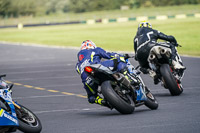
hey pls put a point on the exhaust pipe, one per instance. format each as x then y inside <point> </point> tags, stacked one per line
<point>163,51</point>
<point>121,78</point>
<point>152,57</point>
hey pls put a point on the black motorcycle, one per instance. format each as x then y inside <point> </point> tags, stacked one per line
<point>162,69</point>
<point>118,91</point>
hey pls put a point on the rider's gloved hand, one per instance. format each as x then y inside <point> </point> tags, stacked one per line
<point>120,57</point>
<point>116,56</point>
<point>173,40</point>
<point>175,44</point>
<point>126,56</point>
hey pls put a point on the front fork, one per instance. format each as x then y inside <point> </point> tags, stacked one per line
<point>140,93</point>
<point>16,105</point>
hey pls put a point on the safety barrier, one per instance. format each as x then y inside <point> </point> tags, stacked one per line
<point>109,20</point>
<point>142,18</point>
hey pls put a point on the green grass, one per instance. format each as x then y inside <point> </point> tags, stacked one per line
<point>112,36</point>
<point>61,17</point>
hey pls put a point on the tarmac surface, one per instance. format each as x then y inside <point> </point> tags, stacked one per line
<point>46,82</point>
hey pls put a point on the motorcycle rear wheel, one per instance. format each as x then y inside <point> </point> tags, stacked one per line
<point>124,107</point>
<point>170,81</point>
<point>28,121</point>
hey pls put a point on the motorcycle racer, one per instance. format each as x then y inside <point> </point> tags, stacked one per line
<point>146,38</point>
<point>90,54</point>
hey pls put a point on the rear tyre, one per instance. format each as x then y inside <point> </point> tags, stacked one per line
<point>28,121</point>
<point>120,104</point>
<point>169,80</point>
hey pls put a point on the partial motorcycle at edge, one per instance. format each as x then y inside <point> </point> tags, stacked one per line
<point>13,115</point>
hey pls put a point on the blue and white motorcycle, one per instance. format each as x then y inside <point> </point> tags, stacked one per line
<point>14,116</point>
<point>118,91</point>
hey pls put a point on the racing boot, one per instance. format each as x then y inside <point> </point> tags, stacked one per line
<point>99,100</point>
<point>154,76</point>
<point>177,65</point>
<point>177,62</point>
<point>156,80</point>
<point>102,102</point>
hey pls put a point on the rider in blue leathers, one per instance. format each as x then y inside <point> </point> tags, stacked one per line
<point>90,54</point>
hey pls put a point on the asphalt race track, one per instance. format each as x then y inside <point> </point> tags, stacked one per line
<point>46,82</point>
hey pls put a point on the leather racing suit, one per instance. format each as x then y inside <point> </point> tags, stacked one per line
<point>94,56</point>
<point>145,39</point>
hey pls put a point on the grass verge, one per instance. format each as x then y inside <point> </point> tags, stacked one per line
<point>112,36</point>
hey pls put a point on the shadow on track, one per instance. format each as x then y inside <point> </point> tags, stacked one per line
<point>111,113</point>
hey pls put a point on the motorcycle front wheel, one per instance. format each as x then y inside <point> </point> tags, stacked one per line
<point>28,121</point>
<point>151,101</point>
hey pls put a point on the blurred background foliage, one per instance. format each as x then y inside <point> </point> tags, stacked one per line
<point>17,8</point>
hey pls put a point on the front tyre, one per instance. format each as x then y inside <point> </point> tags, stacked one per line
<point>151,101</point>
<point>169,80</point>
<point>28,121</point>
<point>123,103</point>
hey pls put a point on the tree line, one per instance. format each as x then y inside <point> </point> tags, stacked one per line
<point>16,8</point>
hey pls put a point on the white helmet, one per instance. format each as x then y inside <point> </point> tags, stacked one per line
<point>88,45</point>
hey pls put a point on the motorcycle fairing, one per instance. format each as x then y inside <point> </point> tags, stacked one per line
<point>140,94</point>
<point>7,119</point>
<point>102,68</point>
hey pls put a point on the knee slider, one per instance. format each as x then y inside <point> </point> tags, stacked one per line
<point>91,99</point>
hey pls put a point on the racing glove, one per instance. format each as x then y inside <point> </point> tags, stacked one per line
<point>173,40</point>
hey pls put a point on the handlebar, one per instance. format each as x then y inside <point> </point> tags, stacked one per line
<point>179,45</point>
<point>4,75</point>
<point>127,56</point>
